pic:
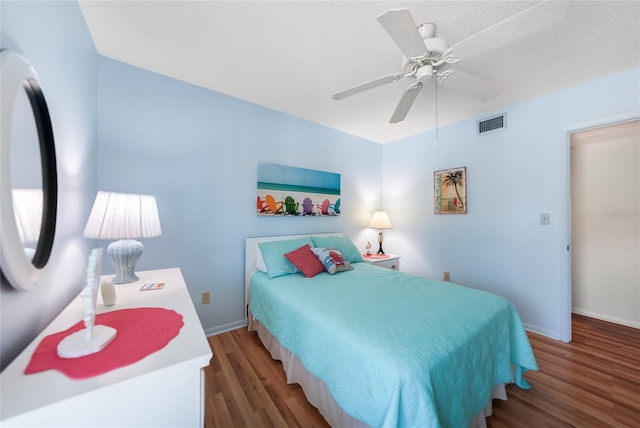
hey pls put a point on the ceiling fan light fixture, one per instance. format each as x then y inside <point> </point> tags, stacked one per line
<point>424,73</point>
<point>427,30</point>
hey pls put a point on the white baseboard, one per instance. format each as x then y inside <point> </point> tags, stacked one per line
<point>609,318</point>
<point>225,328</point>
<point>541,331</point>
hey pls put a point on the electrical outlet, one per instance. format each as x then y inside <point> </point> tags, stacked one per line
<point>445,276</point>
<point>205,297</point>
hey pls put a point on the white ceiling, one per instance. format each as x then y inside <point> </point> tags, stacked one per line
<point>291,56</point>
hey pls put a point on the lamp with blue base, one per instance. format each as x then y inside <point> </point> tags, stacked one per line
<point>125,217</point>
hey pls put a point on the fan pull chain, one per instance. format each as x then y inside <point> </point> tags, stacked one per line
<point>437,141</point>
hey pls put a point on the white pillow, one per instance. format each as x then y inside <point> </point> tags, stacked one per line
<point>260,264</point>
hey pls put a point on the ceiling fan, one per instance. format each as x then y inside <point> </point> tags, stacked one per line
<point>426,56</point>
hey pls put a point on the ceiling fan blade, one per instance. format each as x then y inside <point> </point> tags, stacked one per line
<point>368,85</point>
<point>404,31</point>
<point>471,86</point>
<point>527,22</point>
<point>406,102</point>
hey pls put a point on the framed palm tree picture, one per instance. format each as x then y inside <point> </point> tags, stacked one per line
<point>450,191</point>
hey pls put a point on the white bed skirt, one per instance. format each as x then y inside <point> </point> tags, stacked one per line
<point>318,394</point>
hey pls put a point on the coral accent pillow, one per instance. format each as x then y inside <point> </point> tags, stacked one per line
<point>304,259</point>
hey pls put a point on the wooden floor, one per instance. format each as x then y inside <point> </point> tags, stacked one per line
<point>594,381</point>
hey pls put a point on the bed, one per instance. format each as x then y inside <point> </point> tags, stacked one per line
<point>375,347</point>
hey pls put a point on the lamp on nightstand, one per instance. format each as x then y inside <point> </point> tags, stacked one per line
<point>380,221</point>
<point>125,217</point>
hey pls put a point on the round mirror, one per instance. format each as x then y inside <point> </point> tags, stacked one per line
<point>28,187</point>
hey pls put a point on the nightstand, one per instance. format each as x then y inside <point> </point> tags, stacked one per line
<point>392,262</point>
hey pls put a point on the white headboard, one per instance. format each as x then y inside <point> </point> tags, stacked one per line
<point>251,247</point>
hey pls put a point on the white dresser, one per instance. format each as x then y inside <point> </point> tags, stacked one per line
<point>164,389</point>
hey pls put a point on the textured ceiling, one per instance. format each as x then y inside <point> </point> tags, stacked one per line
<point>291,56</point>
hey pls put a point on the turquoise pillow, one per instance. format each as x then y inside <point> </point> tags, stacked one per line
<point>340,243</point>
<point>273,254</point>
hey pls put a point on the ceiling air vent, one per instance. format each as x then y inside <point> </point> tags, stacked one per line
<point>492,124</point>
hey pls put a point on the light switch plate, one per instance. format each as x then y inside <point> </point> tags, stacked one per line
<point>545,219</point>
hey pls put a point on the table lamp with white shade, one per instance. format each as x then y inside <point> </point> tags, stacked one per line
<point>27,207</point>
<point>125,217</point>
<point>380,221</point>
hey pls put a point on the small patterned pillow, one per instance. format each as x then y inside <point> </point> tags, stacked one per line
<point>332,260</point>
<point>305,260</point>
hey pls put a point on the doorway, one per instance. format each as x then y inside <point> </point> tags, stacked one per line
<point>605,222</point>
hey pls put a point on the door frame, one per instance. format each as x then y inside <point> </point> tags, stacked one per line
<point>565,195</point>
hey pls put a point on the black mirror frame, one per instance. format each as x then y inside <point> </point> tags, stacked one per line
<point>49,172</point>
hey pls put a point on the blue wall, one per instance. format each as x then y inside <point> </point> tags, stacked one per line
<point>513,176</point>
<point>53,36</point>
<point>122,128</point>
<point>197,151</point>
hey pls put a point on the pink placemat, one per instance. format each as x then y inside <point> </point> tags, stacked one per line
<point>140,332</point>
<point>375,256</point>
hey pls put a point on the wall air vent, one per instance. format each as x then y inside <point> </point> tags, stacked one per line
<point>492,124</point>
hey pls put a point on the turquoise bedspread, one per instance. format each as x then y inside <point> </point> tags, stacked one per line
<point>397,350</point>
